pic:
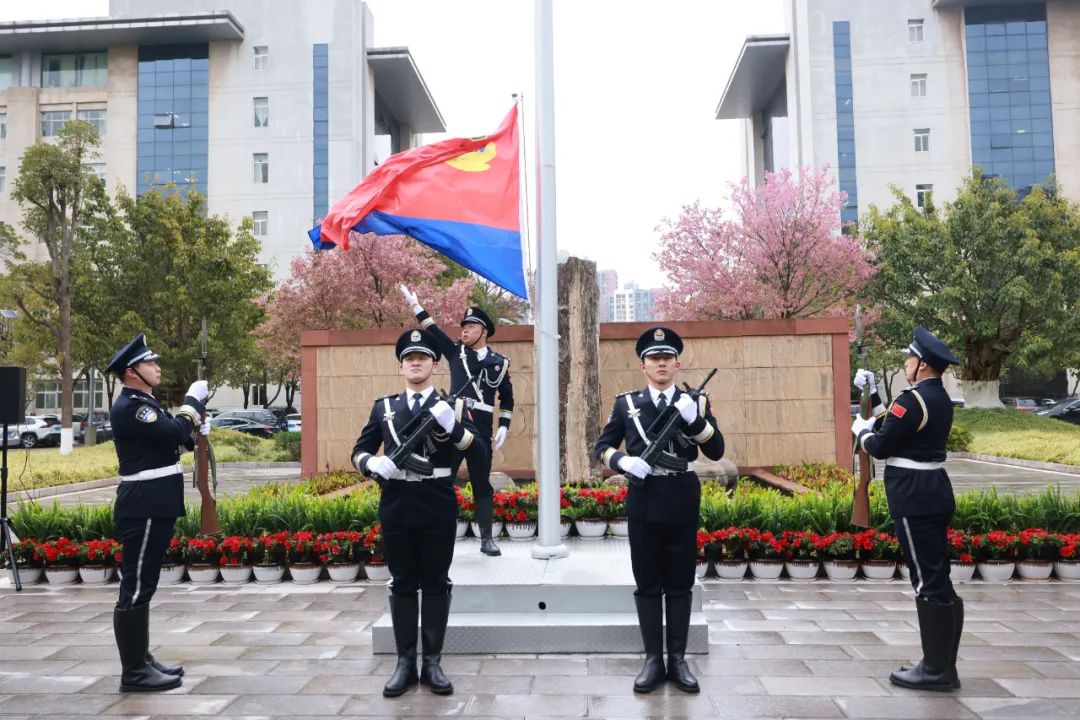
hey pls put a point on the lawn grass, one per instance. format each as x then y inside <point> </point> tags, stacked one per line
<point>1025,436</point>
<point>46,467</point>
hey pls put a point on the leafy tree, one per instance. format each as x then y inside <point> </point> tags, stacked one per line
<point>782,255</point>
<point>990,273</point>
<point>52,187</point>
<point>355,288</point>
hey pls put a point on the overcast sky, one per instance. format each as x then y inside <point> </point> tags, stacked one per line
<point>636,89</point>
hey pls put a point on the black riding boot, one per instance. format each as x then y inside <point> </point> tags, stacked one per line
<point>404,612</point>
<point>678,632</point>
<point>485,507</point>
<point>937,624</point>
<point>650,616</point>
<point>434,614</point>
<point>132,631</point>
<point>161,667</point>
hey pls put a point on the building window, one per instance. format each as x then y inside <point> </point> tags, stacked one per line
<point>262,223</point>
<point>922,140</point>
<point>47,395</point>
<point>261,164</point>
<point>3,178</point>
<point>915,30</point>
<point>262,111</point>
<point>922,195</point>
<point>52,121</point>
<point>96,169</point>
<point>845,121</point>
<point>75,70</point>
<point>918,85</point>
<point>262,57</point>
<point>7,77</point>
<point>95,118</point>
<point>3,126</point>
<point>320,130</point>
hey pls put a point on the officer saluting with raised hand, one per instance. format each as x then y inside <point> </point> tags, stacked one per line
<point>418,514</point>
<point>149,498</point>
<point>483,372</point>
<point>663,510</point>
<point>911,437</point>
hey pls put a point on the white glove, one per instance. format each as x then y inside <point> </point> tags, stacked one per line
<point>862,377</point>
<point>860,423</point>
<point>500,436</point>
<point>199,390</point>
<point>687,409</point>
<point>634,465</point>
<point>410,297</point>
<point>204,429</point>
<point>382,466</point>
<point>444,415</point>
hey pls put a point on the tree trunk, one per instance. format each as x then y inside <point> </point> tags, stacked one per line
<point>245,387</point>
<point>290,395</point>
<point>67,432</point>
<point>579,378</point>
<point>981,393</point>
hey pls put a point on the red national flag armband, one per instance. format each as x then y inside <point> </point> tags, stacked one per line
<point>898,410</point>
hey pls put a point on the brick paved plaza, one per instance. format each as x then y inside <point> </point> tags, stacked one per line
<point>777,649</point>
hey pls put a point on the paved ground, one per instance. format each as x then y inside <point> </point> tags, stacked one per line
<point>778,649</point>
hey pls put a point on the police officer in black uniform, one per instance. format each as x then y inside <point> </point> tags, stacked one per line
<point>662,512</point>
<point>911,436</point>
<point>486,372</point>
<point>418,514</point>
<point>149,498</point>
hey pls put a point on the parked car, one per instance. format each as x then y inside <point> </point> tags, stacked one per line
<point>39,430</point>
<point>1023,404</point>
<point>1067,410</point>
<point>292,422</point>
<point>258,415</point>
<point>245,425</point>
<point>12,437</point>
<point>102,426</point>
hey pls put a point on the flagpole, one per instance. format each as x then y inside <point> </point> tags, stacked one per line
<point>549,544</point>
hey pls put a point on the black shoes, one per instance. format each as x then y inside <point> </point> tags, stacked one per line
<point>404,613</point>
<point>132,631</point>
<point>651,621</point>
<point>940,639</point>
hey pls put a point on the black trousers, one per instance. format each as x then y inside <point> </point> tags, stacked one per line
<point>145,541</point>
<point>479,469</point>
<point>419,559</point>
<point>663,558</point>
<point>924,541</point>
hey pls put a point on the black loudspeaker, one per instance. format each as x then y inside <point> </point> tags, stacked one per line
<point>12,394</point>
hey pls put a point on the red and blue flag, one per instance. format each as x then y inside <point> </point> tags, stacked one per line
<point>459,197</point>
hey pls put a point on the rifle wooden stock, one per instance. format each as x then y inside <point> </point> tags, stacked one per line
<point>860,508</point>
<point>208,517</point>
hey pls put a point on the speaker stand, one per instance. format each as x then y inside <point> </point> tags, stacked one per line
<point>5,523</point>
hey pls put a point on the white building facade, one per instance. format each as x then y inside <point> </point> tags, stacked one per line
<point>273,110</point>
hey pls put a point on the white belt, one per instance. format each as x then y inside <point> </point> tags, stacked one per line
<point>913,464</point>
<point>664,472</point>
<point>408,476</point>
<point>477,405</point>
<point>154,474</point>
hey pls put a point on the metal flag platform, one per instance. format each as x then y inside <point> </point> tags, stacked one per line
<point>583,603</point>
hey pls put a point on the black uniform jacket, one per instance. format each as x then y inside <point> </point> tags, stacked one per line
<point>148,438</point>
<point>916,428</point>
<point>485,377</point>
<point>428,503</point>
<point>673,499</point>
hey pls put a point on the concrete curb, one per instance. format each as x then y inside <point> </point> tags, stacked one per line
<point>1032,464</point>
<point>55,490</point>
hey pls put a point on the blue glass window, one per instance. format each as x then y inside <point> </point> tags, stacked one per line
<point>845,120</point>
<point>320,121</point>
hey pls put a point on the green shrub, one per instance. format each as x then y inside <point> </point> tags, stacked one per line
<point>815,475</point>
<point>959,439</point>
<point>289,444</point>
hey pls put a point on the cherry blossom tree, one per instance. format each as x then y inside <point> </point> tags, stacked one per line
<point>781,253</point>
<point>356,288</point>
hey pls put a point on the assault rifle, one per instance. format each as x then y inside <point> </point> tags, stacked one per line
<point>662,431</point>
<point>415,435</point>
<point>860,506</point>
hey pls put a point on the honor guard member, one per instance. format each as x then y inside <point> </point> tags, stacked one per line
<point>911,436</point>
<point>487,372</point>
<point>663,511</point>
<point>149,498</point>
<point>418,514</point>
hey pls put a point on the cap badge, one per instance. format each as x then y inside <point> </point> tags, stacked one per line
<point>415,337</point>
<point>658,335</point>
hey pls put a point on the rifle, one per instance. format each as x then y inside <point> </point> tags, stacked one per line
<point>415,434</point>
<point>860,507</point>
<point>204,460</point>
<point>662,431</point>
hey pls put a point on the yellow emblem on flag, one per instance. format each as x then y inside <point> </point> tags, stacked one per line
<point>475,161</point>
